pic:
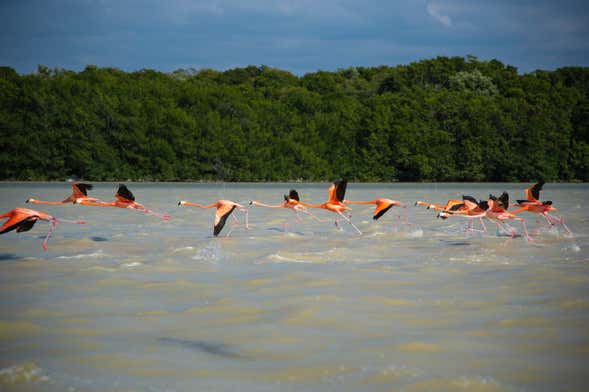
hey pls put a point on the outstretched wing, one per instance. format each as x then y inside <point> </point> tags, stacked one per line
<point>337,190</point>
<point>533,192</point>
<point>381,209</point>
<point>19,222</point>
<point>80,189</point>
<point>470,202</point>
<point>504,200</point>
<point>125,193</point>
<point>221,216</point>
<point>27,224</point>
<point>456,207</point>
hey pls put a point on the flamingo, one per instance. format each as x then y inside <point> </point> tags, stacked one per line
<point>382,206</point>
<point>224,209</point>
<point>124,198</point>
<point>23,219</point>
<point>438,207</point>
<point>291,201</point>
<point>79,196</point>
<point>535,206</point>
<point>469,208</point>
<point>335,203</point>
<point>497,211</point>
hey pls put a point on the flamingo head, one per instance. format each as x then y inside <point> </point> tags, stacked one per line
<point>30,200</point>
<point>78,200</point>
<point>181,202</point>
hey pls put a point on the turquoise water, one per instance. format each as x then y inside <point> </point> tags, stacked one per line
<point>129,302</point>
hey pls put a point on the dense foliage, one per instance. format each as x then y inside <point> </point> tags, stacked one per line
<point>444,119</point>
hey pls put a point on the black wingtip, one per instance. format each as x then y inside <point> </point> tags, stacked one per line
<point>293,194</point>
<point>124,192</point>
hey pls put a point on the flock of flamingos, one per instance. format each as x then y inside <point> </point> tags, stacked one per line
<point>494,209</point>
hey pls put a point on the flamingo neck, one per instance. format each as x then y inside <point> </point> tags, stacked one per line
<point>257,203</point>
<point>359,202</point>
<point>312,205</point>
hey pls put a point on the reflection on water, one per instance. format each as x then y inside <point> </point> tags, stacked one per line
<point>130,302</point>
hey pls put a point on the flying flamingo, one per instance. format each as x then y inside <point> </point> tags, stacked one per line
<point>23,219</point>
<point>79,196</point>
<point>291,201</point>
<point>224,209</point>
<point>124,199</point>
<point>335,203</point>
<point>438,207</point>
<point>382,206</point>
<point>497,212</point>
<point>469,208</point>
<point>535,206</point>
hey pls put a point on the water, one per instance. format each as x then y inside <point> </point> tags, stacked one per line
<point>129,302</point>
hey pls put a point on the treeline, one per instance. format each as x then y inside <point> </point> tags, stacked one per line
<point>444,119</point>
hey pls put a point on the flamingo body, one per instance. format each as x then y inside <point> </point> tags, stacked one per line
<point>224,210</point>
<point>79,196</point>
<point>23,219</point>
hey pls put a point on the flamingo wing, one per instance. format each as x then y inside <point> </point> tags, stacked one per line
<point>337,191</point>
<point>221,216</point>
<point>504,200</point>
<point>80,189</point>
<point>124,193</point>
<point>470,202</point>
<point>456,207</point>
<point>381,209</point>
<point>19,221</point>
<point>533,192</point>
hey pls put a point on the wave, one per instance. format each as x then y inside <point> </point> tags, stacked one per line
<point>25,373</point>
<point>95,255</point>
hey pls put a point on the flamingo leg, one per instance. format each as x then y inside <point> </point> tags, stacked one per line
<point>559,221</point>
<point>52,225</point>
<point>297,219</point>
<point>525,228</point>
<point>483,225</point>
<point>471,226</point>
<point>150,212</point>
<point>406,215</point>
<point>350,222</point>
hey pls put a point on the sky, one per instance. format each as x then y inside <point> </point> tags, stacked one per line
<point>299,36</point>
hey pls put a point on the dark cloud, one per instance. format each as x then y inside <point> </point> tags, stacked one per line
<point>297,35</point>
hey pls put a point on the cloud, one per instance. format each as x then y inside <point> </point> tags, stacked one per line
<point>434,10</point>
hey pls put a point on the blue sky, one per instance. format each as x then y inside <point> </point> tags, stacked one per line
<point>295,35</point>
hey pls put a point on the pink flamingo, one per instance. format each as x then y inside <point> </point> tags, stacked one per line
<point>335,203</point>
<point>124,198</point>
<point>382,206</point>
<point>224,210</point>
<point>23,219</point>
<point>469,208</point>
<point>79,195</point>
<point>291,201</point>
<point>497,211</point>
<point>535,206</point>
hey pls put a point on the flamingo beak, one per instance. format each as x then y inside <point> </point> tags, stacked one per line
<point>181,203</point>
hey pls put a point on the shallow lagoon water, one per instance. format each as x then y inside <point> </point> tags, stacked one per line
<point>129,302</point>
